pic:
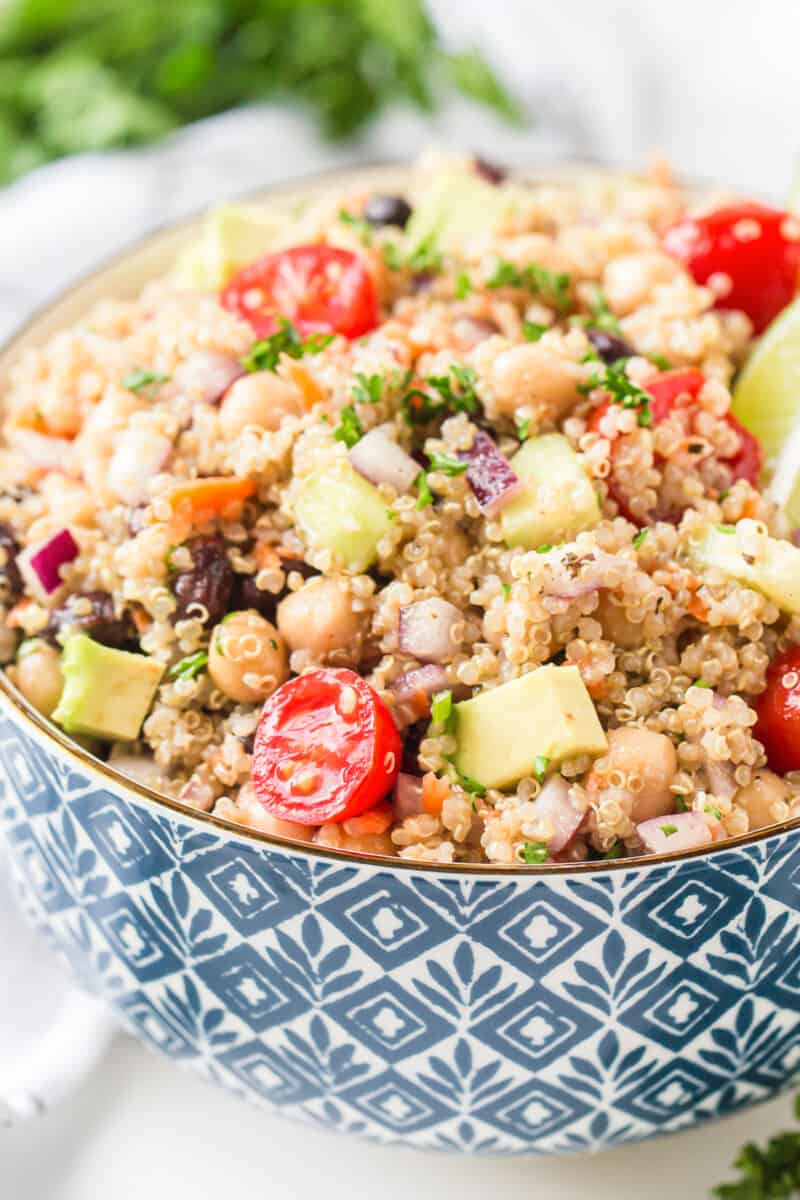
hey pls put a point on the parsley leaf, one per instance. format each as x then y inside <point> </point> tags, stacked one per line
<point>456,393</point>
<point>540,767</point>
<point>638,538</point>
<point>602,316</point>
<point>668,830</point>
<point>522,429</point>
<point>471,785</point>
<point>506,590</point>
<point>358,225</point>
<point>680,804</point>
<point>424,493</point>
<point>532,330</point>
<point>442,707</point>
<point>190,666</point>
<point>368,389</point>
<point>615,851</point>
<point>426,257</point>
<point>534,853</point>
<point>768,1173</point>
<point>550,286</point>
<point>264,354</point>
<point>447,464</point>
<point>349,430</point>
<point>463,285</point>
<point>138,379</point>
<point>622,390</point>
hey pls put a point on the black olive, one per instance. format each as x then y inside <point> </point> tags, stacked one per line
<point>247,594</point>
<point>412,739</point>
<point>10,578</point>
<point>610,346</point>
<point>489,171</point>
<point>208,582</point>
<point>100,623</point>
<point>387,210</point>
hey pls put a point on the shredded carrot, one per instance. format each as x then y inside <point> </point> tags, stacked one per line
<point>218,496</point>
<point>434,793</point>
<point>376,820</point>
<point>419,703</point>
<point>141,619</point>
<point>751,508</point>
<point>698,608</point>
<point>294,372</point>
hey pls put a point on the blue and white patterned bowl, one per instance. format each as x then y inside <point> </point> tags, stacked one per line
<point>462,1008</point>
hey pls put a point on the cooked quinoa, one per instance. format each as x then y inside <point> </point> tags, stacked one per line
<point>553,319</point>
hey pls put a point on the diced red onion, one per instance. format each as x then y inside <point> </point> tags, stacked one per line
<point>717,701</point>
<point>559,813</point>
<point>407,796</point>
<point>206,375</point>
<point>41,565</point>
<point>428,679</point>
<point>426,629</point>
<point>49,453</point>
<point>489,475</point>
<point>676,831</point>
<point>380,460</point>
<point>139,455</point>
<point>721,779</point>
<point>198,794</point>
<point>474,330</point>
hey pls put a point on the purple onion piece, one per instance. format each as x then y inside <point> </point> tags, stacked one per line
<point>721,779</point>
<point>489,475</point>
<point>676,831</point>
<point>560,814</point>
<point>44,563</point>
<point>407,796</point>
<point>207,374</point>
<point>429,679</point>
<point>380,460</point>
<point>426,630</point>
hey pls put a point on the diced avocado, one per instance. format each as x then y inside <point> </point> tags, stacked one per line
<point>558,500</point>
<point>458,204</point>
<point>338,510</point>
<point>231,236</point>
<point>774,570</point>
<point>546,713</point>
<point>106,692</point>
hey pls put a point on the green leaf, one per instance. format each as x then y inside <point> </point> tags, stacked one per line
<point>534,853</point>
<point>424,493</point>
<point>442,707</point>
<point>139,379</point>
<point>463,285</point>
<point>475,78</point>
<point>190,666</point>
<point>541,766</point>
<point>265,354</point>
<point>532,330</point>
<point>368,389</point>
<point>638,538</point>
<point>551,286</point>
<point>349,430</point>
<point>447,464</point>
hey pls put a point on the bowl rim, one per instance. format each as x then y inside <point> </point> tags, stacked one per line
<point>11,696</point>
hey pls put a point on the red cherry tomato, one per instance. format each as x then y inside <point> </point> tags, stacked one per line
<point>669,387</point>
<point>326,748</point>
<point>748,253</point>
<point>778,709</point>
<point>319,288</point>
<point>749,458</point>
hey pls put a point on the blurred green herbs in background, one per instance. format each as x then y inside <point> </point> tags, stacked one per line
<point>91,74</point>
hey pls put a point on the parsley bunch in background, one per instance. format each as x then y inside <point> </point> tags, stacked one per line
<point>771,1173</point>
<point>81,75</point>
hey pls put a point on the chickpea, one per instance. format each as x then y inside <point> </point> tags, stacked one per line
<point>336,837</point>
<point>319,618</point>
<point>629,280</point>
<point>250,811</point>
<point>247,657</point>
<point>38,675</point>
<point>261,398</point>
<point>616,626</point>
<point>649,755</point>
<point>534,376</point>
<point>759,798</point>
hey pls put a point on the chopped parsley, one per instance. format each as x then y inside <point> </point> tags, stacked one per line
<point>701,683</point>
<point>442,707</point>
<point>456,393</point>
<point>680,804</point>
<point>532,330</point>
<point>658,360</point>
<point>544,548</point>
<point>463,285</point>
<point>602,316</point>
<point>424,493</point>
<point>534,853</point>
<point>551,286</point>
<point>447,464</point>
<point>264,354</point>
<point>190,666</point>
<point>713,811</point>
<point>424,258</point>
<point>506,589</point>
<point>358,225</point>
<point>622,390</point>
<point>368,389</point>
<point>138,380</point>
<point>522,429</point>
<point>668,830</point>
<point>727,528</point>
<point>349,430</point>
<point>768,1173</point>
<point>638,538</point>
<point>540,767</point>
<point>615,851</point>
<point>471,785</point>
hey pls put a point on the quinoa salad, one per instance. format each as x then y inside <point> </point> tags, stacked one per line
<point>424,524</point>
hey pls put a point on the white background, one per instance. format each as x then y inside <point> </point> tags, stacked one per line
<point>714,84</point>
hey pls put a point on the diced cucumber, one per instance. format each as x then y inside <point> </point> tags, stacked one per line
<point>547,713</point>
<point>774,571</point>
<point>231,236</point>
<point>338,510</point>
<point>457,205</point>
<point>766,397</point>
<point>559,499</point>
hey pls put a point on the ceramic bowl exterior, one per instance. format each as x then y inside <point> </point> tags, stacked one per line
<point>502,1013</point>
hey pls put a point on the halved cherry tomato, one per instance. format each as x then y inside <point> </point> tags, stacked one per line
<point>326,748</point>
<point>319,288</point>
<point>778,709</point>
<point>748,253</point>
<point>679,389</point>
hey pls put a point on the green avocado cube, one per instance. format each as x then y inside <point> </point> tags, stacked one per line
<point>231,236</point>
<point>774,570</point>
<point>338,510</point>
<point>107,693</point>
<point>547,713</point>
<point>558,499</point>
<point>457,205</point>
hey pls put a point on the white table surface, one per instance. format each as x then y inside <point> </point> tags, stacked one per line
<point>142,1128</point>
